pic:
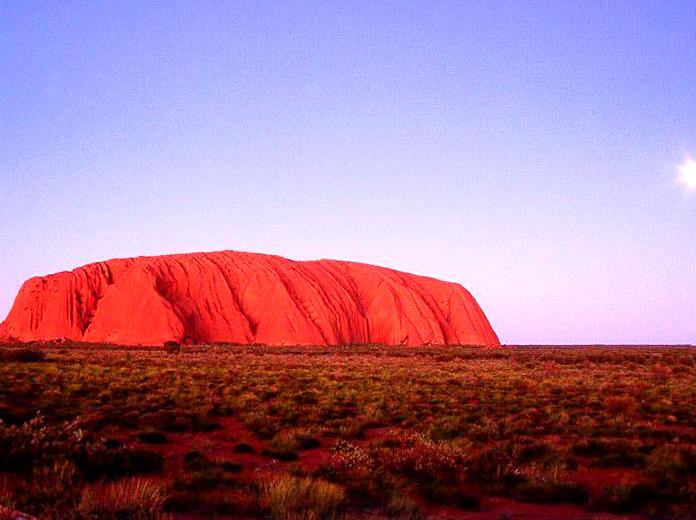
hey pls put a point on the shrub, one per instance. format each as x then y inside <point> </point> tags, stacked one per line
<point>194,460</point>
<point>423,459</point>
<point>621,404</point>
<point>591,448</point>
<point>260,424</point>
<point>203,474</point>
<point>551,491</point>
<point>98,460</point>
<point>152,437</point>
<point>309,443</point>
<point>22,355</point>
<point>623,498</point>
<point>497,466</point>
<point>210,426</point>
<point>449,495</point>
<point>181,500</point>
<point>235,503</point>
<point>7,498</point>
<point>50,490</point>
<point>13,417</point>
<point>172,347</point>
<point>623,454</point>
<point>230,467</point>
<point>284,441</point>
<point>666,464</point>
<point>283,445</point>
<point>445,428</point>
<point>282,455</point>
<point>203,479</point>
<point>536,451</point>
<point>34,442</point>
<point>144,461</point>
<point>244,447</point>
<point>356,467</point>
<point>403,507</point>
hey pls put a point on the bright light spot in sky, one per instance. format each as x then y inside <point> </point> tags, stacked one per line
<point>687,173</point>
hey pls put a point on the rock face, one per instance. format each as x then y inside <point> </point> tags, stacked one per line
<point>244,298</point>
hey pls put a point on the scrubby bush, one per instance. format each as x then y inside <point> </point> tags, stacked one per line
<point>209,477</point>
<point>551,491</point>
<point>283,446</point>
<point>422,459</point>
<point>203,474</point>
<point>354,467</point>
<point>620,498</point>
<point>402,507</point>
<point>50,490</point>
<point>152,437</point>
<point>621,404</point>
<point>172,347</point>
<point>667,465</point>
<point>194,460</point>
<point>99,460</point>
<point>230,466</point>
<point>244,447</point>
<point>448,495</point>
<point>21,355</point>
<point>498,466</point>
<point>35,442</point>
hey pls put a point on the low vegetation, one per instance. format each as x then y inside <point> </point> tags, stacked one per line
<point>90,431</point>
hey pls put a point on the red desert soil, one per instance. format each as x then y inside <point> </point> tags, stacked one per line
<point>245,298</point>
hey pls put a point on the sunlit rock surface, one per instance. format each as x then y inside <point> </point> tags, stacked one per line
<point>245,298</point>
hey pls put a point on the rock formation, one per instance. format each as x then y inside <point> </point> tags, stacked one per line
<point>244,298</point>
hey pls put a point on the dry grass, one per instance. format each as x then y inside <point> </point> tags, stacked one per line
<point>293,498</point>
<point>133,498</point>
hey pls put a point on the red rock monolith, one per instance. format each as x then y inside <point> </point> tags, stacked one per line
<point>244,298</point>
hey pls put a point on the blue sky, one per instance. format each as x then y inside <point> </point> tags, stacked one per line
<point>528,150</point>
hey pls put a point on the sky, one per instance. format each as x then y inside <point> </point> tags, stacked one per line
<point>527,150</point>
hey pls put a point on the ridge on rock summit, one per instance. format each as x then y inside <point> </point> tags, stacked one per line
<point>244,298</point>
